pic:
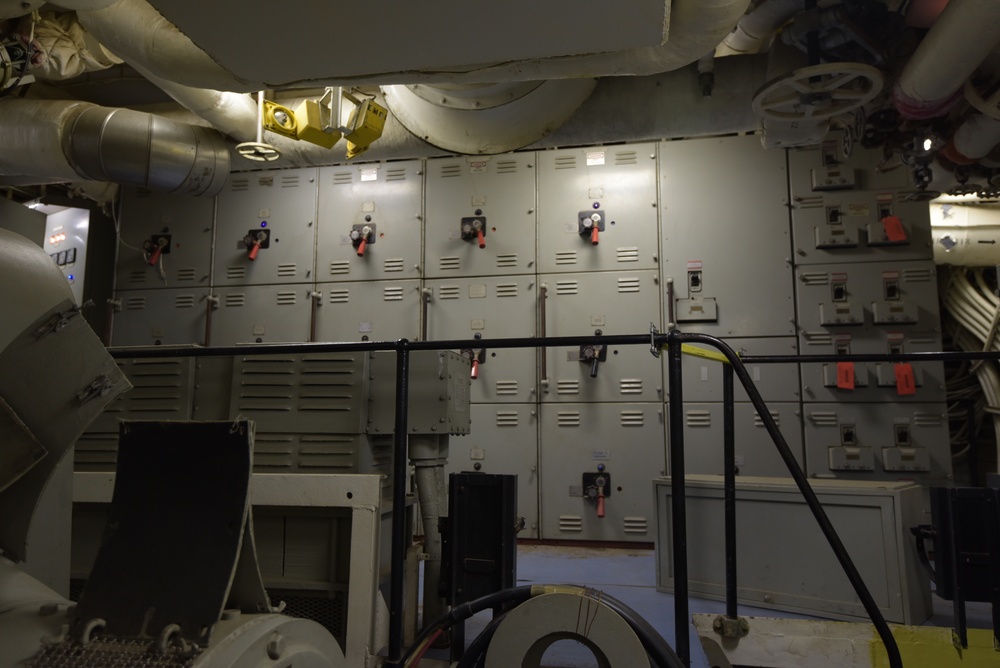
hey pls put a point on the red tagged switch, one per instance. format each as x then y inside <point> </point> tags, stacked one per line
<point>894,228</point>
<point>905,382</point>
<point>845,375</point>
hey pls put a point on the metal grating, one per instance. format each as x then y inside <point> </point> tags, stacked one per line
<point>632,418</point>
<point>568,418</point>
<point>392,294</point>
<point>343,178</point>
<point>327,609</point>
<point>631,284</point>
<point>288,270</point>
<point>507,260</point>
<point>236,272</point>
<point>824,418</point>
<point>449,292</point>
<point>571,523</point>
<point>506,289</point>
<point>105,651</point>
<point>392,265</point>
<point>567,287</point>
<point>187,274</point>
<point>184,301</point>
<point>508,418</point>
<point>630,386</point>
<point>234,299</point>
<point>506,388</point>
<point>340,296</point>
<point>135,303</point>
<point>635,525</point>
<point>567,387</point>
<point>287,298</point>
<point>628,254</point>
<point>699,419</point>
<point>449,264</point>
<point>566,257</point>
<point>566,162</point>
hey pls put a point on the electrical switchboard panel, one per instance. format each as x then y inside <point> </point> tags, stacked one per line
<point>166,240</point>
<point>727,264</point>
<point>597,209</point>
<point>854,208</point>
<point>480,216</point>
<point>265,231</point>
<point>368,311</point>
<point>878,442</point>
<point>869,308</point>
<point>504,439</point>
<point>756,454</point>
<point>159,317</point>
<point>604,303</point>
<point>775,382</point>
<point>369,222</point>
<point>489,308</point>
<point>262,314</point>
<point>624,442</point>
<point>66,236</point>
<point>438,393</point>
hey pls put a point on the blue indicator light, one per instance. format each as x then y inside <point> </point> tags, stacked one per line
<point>597,205</point>
<point>70,277</point>
<point>263,223</point>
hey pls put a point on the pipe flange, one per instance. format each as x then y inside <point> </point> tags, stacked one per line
<point>818,92</point>
<point>473,96</point>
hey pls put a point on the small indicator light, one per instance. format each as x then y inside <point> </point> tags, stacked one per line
<point>70,277</point>
<point>597,205</point>
<point>263,223</point>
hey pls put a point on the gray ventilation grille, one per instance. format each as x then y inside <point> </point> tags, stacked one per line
<point>635,525</point>
<point>757,422</point>
<point>630,386</point>
<point>286,298</point>
<point>506,166</point>
<point>506,289</point>
<point>699,419</point>
<point>449,264</point>
<point>506,388</point>
<point>566,257</point>
<point>340,296</point>
<point>290,181</point>
<point>235,299</point>
<point>239,185</point>
<point>567,287</point>
<point>508,418</point>
<point>395,174</point>
<point>392,294</point>
<point>567,387</point>
<point>565,162</point>
<point>568,418</point>
<point>288,270</point>
<point>137,276</point>
<point>626,158</point>
<point>340,267</point>
<point>135,303</point>
<point>507,261</point>
<point>815,278</point>
<point>570,523</point>
<point>632,418</point>
<point>449,171</point>
<point>392,265</point>
<point>236,272</point>
<point>824,418</point>
<point>449,292</point>
<point>186,274</point>
<point>628,254</point>
<point>184,301</point>
<point>343,178</point>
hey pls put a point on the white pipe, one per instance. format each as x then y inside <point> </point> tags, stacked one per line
<point>974,139</point>
<point>966,236</point>
<point>758,26</point>
<point>137,33</point>
<point>959,41</point>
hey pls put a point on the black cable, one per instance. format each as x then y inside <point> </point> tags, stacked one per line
<point>475,655</point>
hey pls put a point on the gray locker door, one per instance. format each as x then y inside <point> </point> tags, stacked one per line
<point>155,317</point>
<point>280,205</point>
<point>262,314</point>
<point>497,190</point>
<point>627,440</point>
<point>872,307</point>
<point>372,311</point>
<point>839,203</point>
<point>183,223</point>
<point>726,250</point>
<point>878,442</point>
<point>618,184</point>
<point>504,439</point>
<point>495,308</point>
<point>384,197</point>
<point>614,303</point>
<point>756,454</point>
<point>775,382</point>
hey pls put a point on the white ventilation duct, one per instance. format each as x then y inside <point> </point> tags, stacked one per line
<point>755,29</point>
<point>975,139</point>
<point>70,140</point>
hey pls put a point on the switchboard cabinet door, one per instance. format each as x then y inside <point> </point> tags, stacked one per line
<point>878,441</point>
<point>160,317</point>
<point>607,303</point>
<point>491,308</point>
<point>775,382</point>
<point>262,314</point>
<point>179,226</point>
<point>727,264</point>
<point>841,203</point>
<point>276,209</point>
<point>370,311</point>
<point>612,188</point>
<point>756,454</point>
<point>504,439</point>
<point>623,441</point>
<point>494,195</point>
<point>869,308</point>
<point>378,205</point>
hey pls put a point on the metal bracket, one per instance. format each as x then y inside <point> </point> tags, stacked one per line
<point>60,321</point>
<point>731,628</point>
<point>99,387</point>
<point>653,348</point>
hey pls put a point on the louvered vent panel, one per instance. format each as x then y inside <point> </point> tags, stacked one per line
<point>187,274</point>
<point>449,264</point>
<point>567,387</point>
<point>566,257</point>
<point>567,287</point>
<point>635,525</point>
<point>629,284</point>
<point>96,452</point>
<point>810,202</point>
<point>290,181</point>
<point>506,166</point>
<point>626,158</point>
<point>823,418</point>
<point>628,254</point>
<point>506,289</point>
<point>917,275</point>
<point>633,418</point>
<point>272,452</point>
<point>343,267</point>
<point>570,523</point>
<point>287,270</point>
<point>449,171</point>
<point>340,296</point>
<point>184,301</point>
<point>236,272</point>
<point>699,419</point>
<point>135,303</point>
<point>287,298</point>
<point>392,294</point>
<point>815,278</point>
<point>137,276</point>
<point>395,174</point>
<point>508,418</point>
<point>568,418</point>
<point>235,299</point>
<point>449,292</point>
<point>928,419</point>
<point>393,265</point>
<point>630,386</point>
<point>818,338</point>
<point>506,388</point>
<point>343,178</point>
<point>507,261</point>
<point>757,422</point>
<point>566,162</point>
<point>239,185</point>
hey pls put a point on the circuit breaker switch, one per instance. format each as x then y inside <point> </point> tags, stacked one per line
<point>156,245</point>
<point>361,238</point>
<point>600,501</point>
<point>154,256</point>
<point>474,229</point>
<point>254,243</point>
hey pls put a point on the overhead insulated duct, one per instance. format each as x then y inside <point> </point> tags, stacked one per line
<point>755,29</point>
<point>70,140</point>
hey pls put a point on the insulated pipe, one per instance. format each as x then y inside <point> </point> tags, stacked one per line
<point>958,42</point>
<point>973,140</point>
<point>69,140</point>
<point>426,455</point>
<point>756,28</point>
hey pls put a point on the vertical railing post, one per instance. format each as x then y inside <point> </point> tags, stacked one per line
<point>729,464</point>
<point>399,463</point>
<point>677,498</point>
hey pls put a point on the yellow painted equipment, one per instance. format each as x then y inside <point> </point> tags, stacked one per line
<point>366,124</point>
<point>279,119</point>
<point>310,125</point>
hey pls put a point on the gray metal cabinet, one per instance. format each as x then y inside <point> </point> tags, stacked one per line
<point>372,310</point>
<point>154,317</point>
<point>262,314</point>
<point>775,382</point>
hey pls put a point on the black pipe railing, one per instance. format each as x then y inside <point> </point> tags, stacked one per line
<point>673,342</point>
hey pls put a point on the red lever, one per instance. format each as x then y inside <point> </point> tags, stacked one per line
<point>252,255</point>
<point>593,235</point>
<point>600,502</point>
<point>361,247</point>
<point>482,238</point>
<point>475,369</point>
<point>154,257</point>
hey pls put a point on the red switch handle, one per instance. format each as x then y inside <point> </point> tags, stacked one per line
<point>361,247</point>
<point>600,502</point>
<point>593,235</point>
<point>154,257</point>
<point>475,369</point>
<point>482,238</point>
<point>252,255</point>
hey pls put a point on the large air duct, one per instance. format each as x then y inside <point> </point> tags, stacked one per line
<point>69,140</point>
<point>755,29</point>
